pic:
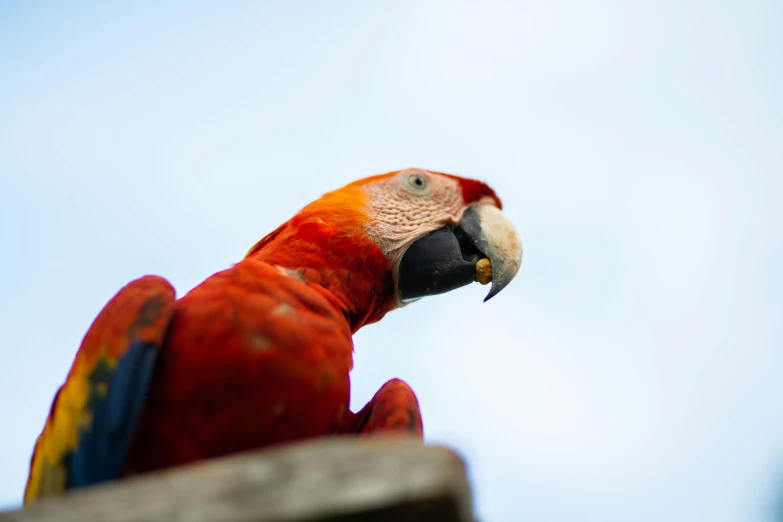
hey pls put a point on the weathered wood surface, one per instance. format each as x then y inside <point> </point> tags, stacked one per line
<point>340,479</point>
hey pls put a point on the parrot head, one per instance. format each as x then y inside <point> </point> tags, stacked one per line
<point>388,239</point>
<point>433,228</point>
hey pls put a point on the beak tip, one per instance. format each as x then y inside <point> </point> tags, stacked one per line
<point>503,276</point>
<point>495,290</point>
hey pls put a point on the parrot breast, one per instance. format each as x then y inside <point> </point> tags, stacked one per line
<point>253,358</point>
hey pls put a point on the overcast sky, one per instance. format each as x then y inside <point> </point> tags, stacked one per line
<point>632,371</point>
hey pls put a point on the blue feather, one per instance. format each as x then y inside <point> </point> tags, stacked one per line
<point>101,450</point>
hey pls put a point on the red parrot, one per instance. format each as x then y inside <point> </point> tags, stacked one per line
<point>260,354</point>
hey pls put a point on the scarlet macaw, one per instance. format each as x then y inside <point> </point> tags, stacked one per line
<point>259,354</point>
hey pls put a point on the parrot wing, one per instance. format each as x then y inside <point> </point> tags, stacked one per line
<point>94,413</point>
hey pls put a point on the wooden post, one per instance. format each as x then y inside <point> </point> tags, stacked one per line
<point>335,479</point>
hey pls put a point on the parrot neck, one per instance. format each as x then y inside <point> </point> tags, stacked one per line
<point>348,265</point>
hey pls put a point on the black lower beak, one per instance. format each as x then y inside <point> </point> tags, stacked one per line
<point>438,262</point>
<point>446,258</point>
<point>442,260</point>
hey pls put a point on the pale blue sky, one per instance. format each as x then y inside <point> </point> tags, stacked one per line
<point>633,369</point>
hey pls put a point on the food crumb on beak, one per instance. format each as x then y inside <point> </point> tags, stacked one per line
<point>484,271</point>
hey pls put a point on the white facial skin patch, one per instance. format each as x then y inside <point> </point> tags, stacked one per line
<point>410,205</point>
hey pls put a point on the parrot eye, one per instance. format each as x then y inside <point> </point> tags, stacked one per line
<point>416,182</point>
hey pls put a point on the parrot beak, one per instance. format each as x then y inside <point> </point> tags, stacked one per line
<point>449,258</point>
